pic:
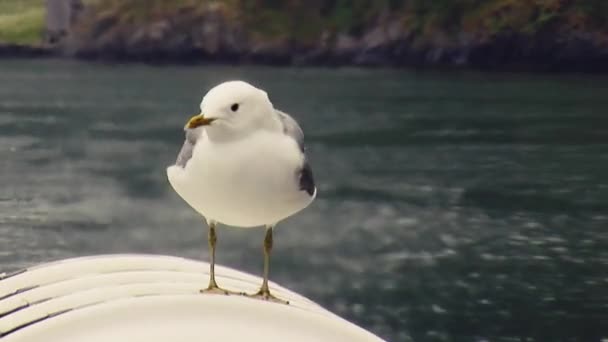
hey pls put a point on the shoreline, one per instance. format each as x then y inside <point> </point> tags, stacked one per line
<point>8,50</point>
<point>501,35</point>
<point>312,58</point>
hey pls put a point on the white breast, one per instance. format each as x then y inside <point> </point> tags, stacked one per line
<point>249,182</point>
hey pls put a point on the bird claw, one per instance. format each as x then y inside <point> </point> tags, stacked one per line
<point>219,291</point>
<point>266,295</point>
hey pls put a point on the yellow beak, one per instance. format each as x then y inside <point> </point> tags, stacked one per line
<point>199,120</point>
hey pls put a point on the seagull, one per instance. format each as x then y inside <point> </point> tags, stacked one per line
<point>243,164</point>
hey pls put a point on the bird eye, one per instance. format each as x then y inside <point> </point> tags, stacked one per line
<point>234,107</point>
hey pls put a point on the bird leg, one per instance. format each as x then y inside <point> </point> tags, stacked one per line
<point>213,288</point>
<point>264,292</point>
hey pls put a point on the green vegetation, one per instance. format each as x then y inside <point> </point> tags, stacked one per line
<point>426,18</point>
<point>21,21</point>
<point>306,20</point>
<point>111,25</point>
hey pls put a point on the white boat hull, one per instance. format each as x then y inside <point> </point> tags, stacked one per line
<point>155,298</point>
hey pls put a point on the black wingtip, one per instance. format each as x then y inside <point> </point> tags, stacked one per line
<point>307,181</point>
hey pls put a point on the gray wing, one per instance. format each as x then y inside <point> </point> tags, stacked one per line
<point>291,128</point>
<point>186,151</point>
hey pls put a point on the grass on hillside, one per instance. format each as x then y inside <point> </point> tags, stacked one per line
<point>21,21</point>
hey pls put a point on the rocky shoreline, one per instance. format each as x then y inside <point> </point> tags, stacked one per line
<point>212,36</point>
<point>579,53</point>
<point>509,53</point>
<point>24,51</point>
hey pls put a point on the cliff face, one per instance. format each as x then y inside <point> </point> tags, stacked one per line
<point>540,35</point>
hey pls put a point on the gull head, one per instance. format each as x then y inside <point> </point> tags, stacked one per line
<point>232,110</point>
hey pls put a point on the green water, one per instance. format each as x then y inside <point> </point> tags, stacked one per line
<point>451,206</point>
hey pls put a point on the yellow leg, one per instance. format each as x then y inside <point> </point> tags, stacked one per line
<point>264,292</point>
<point>213,288</point>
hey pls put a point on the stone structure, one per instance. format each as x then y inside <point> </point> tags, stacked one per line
<point>60,15</point>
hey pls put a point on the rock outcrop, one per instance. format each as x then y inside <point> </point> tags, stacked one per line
<point>215,33</point>
<point>24,51</point>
